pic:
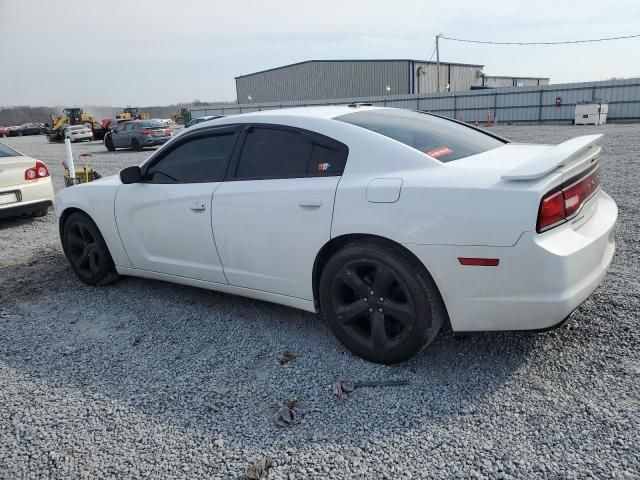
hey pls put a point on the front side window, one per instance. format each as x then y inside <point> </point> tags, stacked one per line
<point>196,160</point>
<point>440,138</point>
<point>283,153</point>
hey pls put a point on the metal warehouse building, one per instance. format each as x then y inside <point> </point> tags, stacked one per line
<point>332,79</point>
<point>324,79</point>
<point>495,81</point>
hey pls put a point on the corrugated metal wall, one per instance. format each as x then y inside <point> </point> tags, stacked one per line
<point>512,104</point>
<point>459,77</point>
<point>326,79</point>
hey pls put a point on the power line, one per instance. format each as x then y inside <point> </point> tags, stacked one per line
<point>541,43</point>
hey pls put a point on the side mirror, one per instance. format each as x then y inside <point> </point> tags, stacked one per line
<point>130,175</point>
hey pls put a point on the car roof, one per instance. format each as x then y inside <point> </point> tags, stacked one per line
<point>135,122</point>
<point>328,112</point>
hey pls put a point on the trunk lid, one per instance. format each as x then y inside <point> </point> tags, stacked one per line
<point>542,165</point>
<point>12,170</point>
<point>536,171</point>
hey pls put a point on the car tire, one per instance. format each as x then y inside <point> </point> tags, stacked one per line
<point>87,251</point>
<point>136,145</point>
<point>109,144</point>
<point>380,303</point>
<point>40,213</point>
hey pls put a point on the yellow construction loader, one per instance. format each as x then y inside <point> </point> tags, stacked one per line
<point>73,116</point>
<point>131,113</point>
<point>181,117</point>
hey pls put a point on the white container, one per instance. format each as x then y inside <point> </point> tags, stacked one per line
<point>591,113</point>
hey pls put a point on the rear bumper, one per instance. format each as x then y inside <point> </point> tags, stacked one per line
<point>150,141</point>
<point>16,209</point>
<point>77,138</point>
<point>35,195</point>
<point>539,281</point>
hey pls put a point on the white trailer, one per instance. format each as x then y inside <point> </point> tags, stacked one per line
<point>591,113</point>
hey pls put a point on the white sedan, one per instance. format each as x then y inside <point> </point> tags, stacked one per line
<point>392,223</point>
<point>25,185</point>
<point>77,133</point>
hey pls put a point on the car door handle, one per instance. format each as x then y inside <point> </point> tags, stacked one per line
<point>198,206</point>
<point>309,202</point>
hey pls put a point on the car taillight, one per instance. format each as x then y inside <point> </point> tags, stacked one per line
<point>170,131</point>
<point>147,132</point>
<point>576,193</point>
<point>39,171</point>
<point>559,206</point>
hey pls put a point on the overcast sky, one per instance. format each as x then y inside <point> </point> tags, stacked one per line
<point>158,52</point>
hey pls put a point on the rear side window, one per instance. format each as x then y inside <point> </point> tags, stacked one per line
<point>283,153</point>
<point>443,139</point>
<point>8,151</point>
<point>198,160</point>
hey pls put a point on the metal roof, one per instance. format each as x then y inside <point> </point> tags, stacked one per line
<point>359,60</point>
<point>516,77</point>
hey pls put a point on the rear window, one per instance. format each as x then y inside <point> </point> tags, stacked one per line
<point>440,138</point>
<point>8,151</point>
<point>151,124</point>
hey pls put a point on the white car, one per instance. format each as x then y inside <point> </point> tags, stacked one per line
<point>25,185</point>
<point>392,223</point>
<point>77,133</point>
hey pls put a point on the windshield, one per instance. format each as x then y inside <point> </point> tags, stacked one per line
<point>77,127</point>
<point>438,137</point>
<point>8,151</point>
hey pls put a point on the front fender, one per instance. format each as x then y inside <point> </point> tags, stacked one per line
<point>96,199</point>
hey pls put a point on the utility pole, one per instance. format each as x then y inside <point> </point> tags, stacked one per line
<point>438,61</point>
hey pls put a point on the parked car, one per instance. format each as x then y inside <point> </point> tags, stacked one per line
<point>392,223</point>
<point>26,129</point>
<point>77,133</point>
<point>137,134</point>
<point>25,184</point>
<point>4,131</point>
<point>198,120</point>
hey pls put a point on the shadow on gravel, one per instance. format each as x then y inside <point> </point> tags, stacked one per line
<point>201,360</point>
<point>12,222</point>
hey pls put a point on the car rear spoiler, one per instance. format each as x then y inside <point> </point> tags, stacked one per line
<point>547,161</point>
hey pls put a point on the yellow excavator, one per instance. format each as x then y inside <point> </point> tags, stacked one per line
<point>73,116</point>
<point>131,113</point>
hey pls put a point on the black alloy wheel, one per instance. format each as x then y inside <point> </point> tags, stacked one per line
<point>87,251</point>
<point>372,303</point>
<point>379,303</point>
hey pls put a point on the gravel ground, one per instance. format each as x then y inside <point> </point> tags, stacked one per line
<point>147,379</point>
